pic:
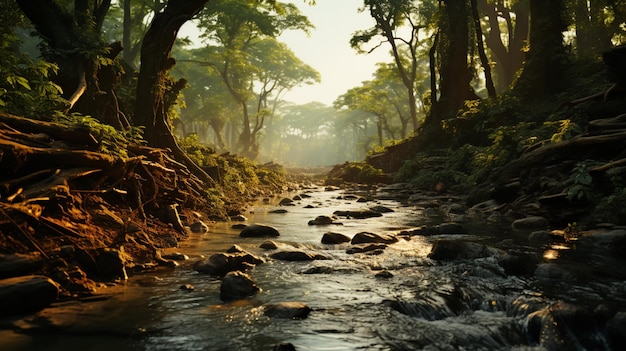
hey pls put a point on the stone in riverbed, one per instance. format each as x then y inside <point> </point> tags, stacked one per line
<point>284,347</point>
<point>323,220</point>
<point>237,285</point>
<point>376,249</point>
<point>268,245</point>
<point>367,237</point>
<point>258,231</point>
<point>334,238</point>
<point>288,310</point>
<point>199,227</point>
<point>221,263</point>
<point>18,264</point>
<point>26,294</point>
<point>444,250</point>
<point>358,214</point>
<point>531,223</point>
<point>297,256</point>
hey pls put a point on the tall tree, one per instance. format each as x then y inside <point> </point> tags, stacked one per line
<point>544,71</point>
<point>394,18</point>
<point>454,72</point>
<point>72,38</point>
<point>153,99</point>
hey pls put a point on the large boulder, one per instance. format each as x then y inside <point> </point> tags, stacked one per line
<point>445,249</point>
<point>237,285</point>
<point>518,262</point>
<point>368,238</point>
<point>288,310</point>
<point>334,238</point>
<point>531,223</point>
<point>294,255</point>
<point>18,264</point>
<point>26,294</point>
<point>221,263</point>
<point>323,220</point>
<point>258,231</point>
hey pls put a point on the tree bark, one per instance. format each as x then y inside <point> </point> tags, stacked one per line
<point>544,71</point>
<point>491,89</point>
<point>150,108</point>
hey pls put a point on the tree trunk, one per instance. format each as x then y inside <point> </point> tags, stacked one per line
<point>544,71</point>
<point>150,107</point>
<point>454,74</point>
<point>491,89</point>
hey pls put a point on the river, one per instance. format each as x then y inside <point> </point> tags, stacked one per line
<point>418,304</point>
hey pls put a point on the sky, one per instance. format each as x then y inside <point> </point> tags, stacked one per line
<point>328,50</point>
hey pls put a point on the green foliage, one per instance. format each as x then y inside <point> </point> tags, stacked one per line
<point>581,189</point>
<point>356,172</point>
<point>25,86</point>
<point>111,141</point>
<point>567,129</point>
<point>454,169</point>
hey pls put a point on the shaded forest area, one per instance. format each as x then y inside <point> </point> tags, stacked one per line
<point>94,182</point>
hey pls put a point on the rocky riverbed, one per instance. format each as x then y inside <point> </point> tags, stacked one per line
<point>376,268</point>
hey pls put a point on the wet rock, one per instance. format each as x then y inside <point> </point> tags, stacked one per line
<point>366,238</point>
<point>531,223</point>
<point>176,256</point>
<point>518,263</point>
<point>268,245</point>
<point>279,210</point>
<point>334,238</point>
<point>553,273</point>
<point>258,231</point>
<point>381,209</point>
<point>323,220</point>
<point>238,226</point>
<point>544,237</point>
<point>374,248</point>
<point>26,294</point>
<point>613,240</point>
<point>284,347</point>
<point>237,285</point>
<point>288,310</point>
<point>238,218</point>
<point>565,326</point>
<point>286,202</point>
<point>358,214</point>
<point>187,287</point>
<point>616,330</point>
<point>18,264</point>
<point>110,263</point>
<point>236,249</point>
<point>384,274</point>
<point>450,228</point>
<point>318,270</point>
<point>297,256</point>
<point>445,250</point>
<point>221,263</point>
<point>199,227</point>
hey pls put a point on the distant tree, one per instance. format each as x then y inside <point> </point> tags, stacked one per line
<point>398,23</point>
<point>506,34</point>
<point>238,29</point>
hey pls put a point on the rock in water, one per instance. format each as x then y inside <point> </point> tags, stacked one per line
<point>221,263</point>
<point>334,238</point>
<point>237,285</point>
<point>366,238</point>
<point>258,231</point>
<point>26,294</point>
<point>289,310</point>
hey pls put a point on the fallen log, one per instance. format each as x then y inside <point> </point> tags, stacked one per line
<point>58,131</point>
<point>552,153</point>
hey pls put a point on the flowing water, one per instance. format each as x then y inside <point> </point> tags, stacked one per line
<point>421,305</point>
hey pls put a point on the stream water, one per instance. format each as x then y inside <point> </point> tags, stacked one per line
<point>421,305</point>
